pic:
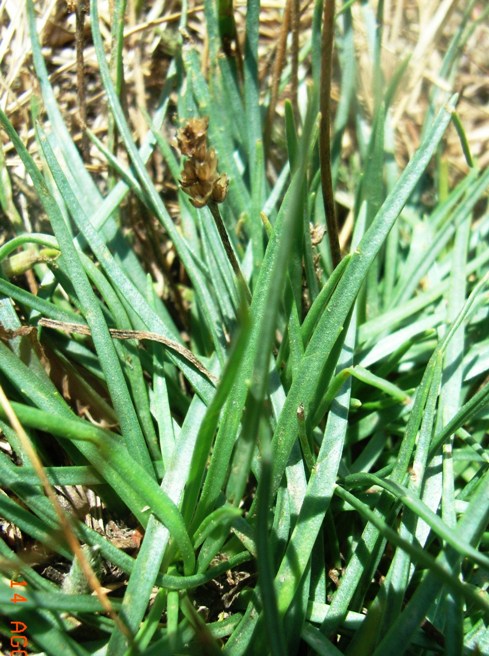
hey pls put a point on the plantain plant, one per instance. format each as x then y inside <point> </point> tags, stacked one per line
<point>291,438</point>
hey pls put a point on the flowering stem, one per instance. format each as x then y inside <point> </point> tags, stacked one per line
<point>221,228</point>
<point>324,130</point>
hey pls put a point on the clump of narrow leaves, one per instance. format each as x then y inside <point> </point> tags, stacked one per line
<point>278,455</point>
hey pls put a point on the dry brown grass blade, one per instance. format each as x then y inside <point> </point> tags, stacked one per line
<point>81,329</point>
<point>433,21</point>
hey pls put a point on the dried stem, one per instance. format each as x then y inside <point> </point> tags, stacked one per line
<point>325,129</point>
<point>294,76</point>
<point>277,71</point>
<point>81,329</point>
<point>80,11</point>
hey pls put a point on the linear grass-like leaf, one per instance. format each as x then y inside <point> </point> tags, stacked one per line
<point>315,639</point>
<point>371,540</point>
<point>331,323</point>
<point>426,256</point>
<point>85,189</point>
<point>210,422</point>
<point>387,607</point>
<point>372,188</point>
<point>232,415</point>
<point>266,323</point>
<point>252,93</point>
<point>62,476</point>
<point>56,601</point>
<point>417,506</point>
<point>295,564</point>
<point>438,570</point>
<point>48,632</point>
<point>155,545</point>
<point>427,393</point>
<point>115,273</point>
<point>265,560</point>
<point>128,354</point>
<point>320,487</point>
<point>39,529</point>
<point>470,528</point>
<point>151,623</point>
<point>144,496</point>
<point>451,607</point>
<point>221,274</point>
<point>95,319</point>
<point>188,259</point>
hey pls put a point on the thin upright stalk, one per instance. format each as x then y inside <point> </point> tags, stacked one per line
<point>221,228</point>
<point>325,129</point>
<point>276,73</point>
<point>294,77</point>
<point>80,11</point>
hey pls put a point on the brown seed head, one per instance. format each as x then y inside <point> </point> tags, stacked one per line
<point>189,174</point>
<point>192,138</point>
<point>220,188</point>
<point>200,179</point>
<point>206,169</point>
